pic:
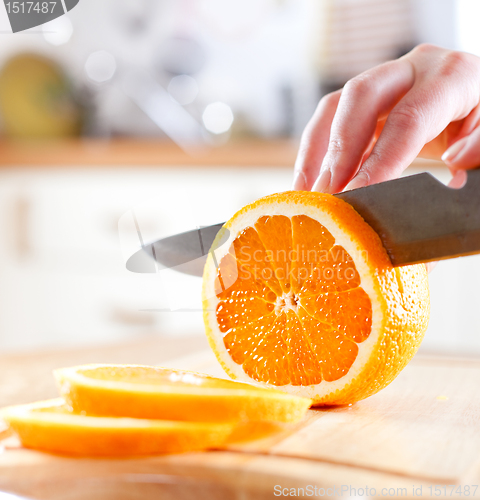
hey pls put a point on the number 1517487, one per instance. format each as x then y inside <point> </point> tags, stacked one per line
<point>27,7</point>
<point>454,490</point>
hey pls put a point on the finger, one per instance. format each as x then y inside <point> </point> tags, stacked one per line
<point>458,180</point>
<point>411,124</point>
<point>363,101</point>
<point>438,98</point>
<point>401,140</point>
<point>314,142</point>
<point>465,153</point>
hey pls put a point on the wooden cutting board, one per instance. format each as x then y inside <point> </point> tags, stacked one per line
<point>422,430</point>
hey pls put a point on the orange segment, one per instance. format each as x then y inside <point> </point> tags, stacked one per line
<point>267,358</point>
<point>245,298</point>
<point>336,272</point>
<point>334,352</point>
<point>250,252</point>
<point>276,236</point>
<point>304,365</point>
<point>348,312</point>
<point>312,242</point>
<point>239,311</point>
<point>235,280</point>
<point>314,306</point>
<point>243,342</point>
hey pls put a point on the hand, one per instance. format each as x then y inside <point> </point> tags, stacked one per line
<point>425,103</point>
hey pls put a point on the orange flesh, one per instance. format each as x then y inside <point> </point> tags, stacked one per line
<point>291,308</point>
<point>162,377</point>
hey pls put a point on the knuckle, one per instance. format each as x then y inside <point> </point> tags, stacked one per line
<point>460,68</point>
<point>336,145</point>
<point>425,48</point>
<point>456,62</point>
<point>360,86</point>
<point>407,115</point>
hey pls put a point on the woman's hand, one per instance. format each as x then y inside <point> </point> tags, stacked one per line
<point>425,103</point>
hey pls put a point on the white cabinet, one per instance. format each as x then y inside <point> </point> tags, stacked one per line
<point>62,266</point>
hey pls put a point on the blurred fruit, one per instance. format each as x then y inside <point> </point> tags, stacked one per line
<point>36,100</point>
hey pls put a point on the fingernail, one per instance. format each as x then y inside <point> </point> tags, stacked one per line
<point>357,182</point>
<point>452,153</point>
<point>299,181</point>
<point>322,184</point>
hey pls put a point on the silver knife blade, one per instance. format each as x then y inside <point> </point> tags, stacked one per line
<point>418,219</point>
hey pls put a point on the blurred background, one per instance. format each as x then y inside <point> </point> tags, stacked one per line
<point>161,115</point>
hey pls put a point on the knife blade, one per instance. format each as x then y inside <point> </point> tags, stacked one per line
<point>418,219</point>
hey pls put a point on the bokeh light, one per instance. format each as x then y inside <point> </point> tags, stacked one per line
<point>100,66</point>
<point>218,117</point>
<point>58,31</point>
<point>183,88</point>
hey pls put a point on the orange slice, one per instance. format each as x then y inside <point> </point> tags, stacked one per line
<point>51,426</point>
<point>161,393</point>
<point>303,297</point>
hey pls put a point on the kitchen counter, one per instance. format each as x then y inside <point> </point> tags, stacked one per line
<point>422,430</point>
<point>135,152</point>
<point>154,152</point>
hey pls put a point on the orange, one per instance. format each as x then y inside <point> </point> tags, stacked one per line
<point>299,294</point>
<point>51,426</point>
<point>161,393</point>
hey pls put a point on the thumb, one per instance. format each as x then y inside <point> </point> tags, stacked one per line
<point>465,153</point>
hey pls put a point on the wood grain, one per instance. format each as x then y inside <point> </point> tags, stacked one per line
<point>425,424</point>
<point>213,475</point>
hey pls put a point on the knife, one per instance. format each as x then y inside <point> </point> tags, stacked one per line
<point>418,219</point>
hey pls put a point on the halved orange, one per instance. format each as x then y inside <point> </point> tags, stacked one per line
<point>51,426</point>
<point>162,393</point>
<point>302,296</point>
